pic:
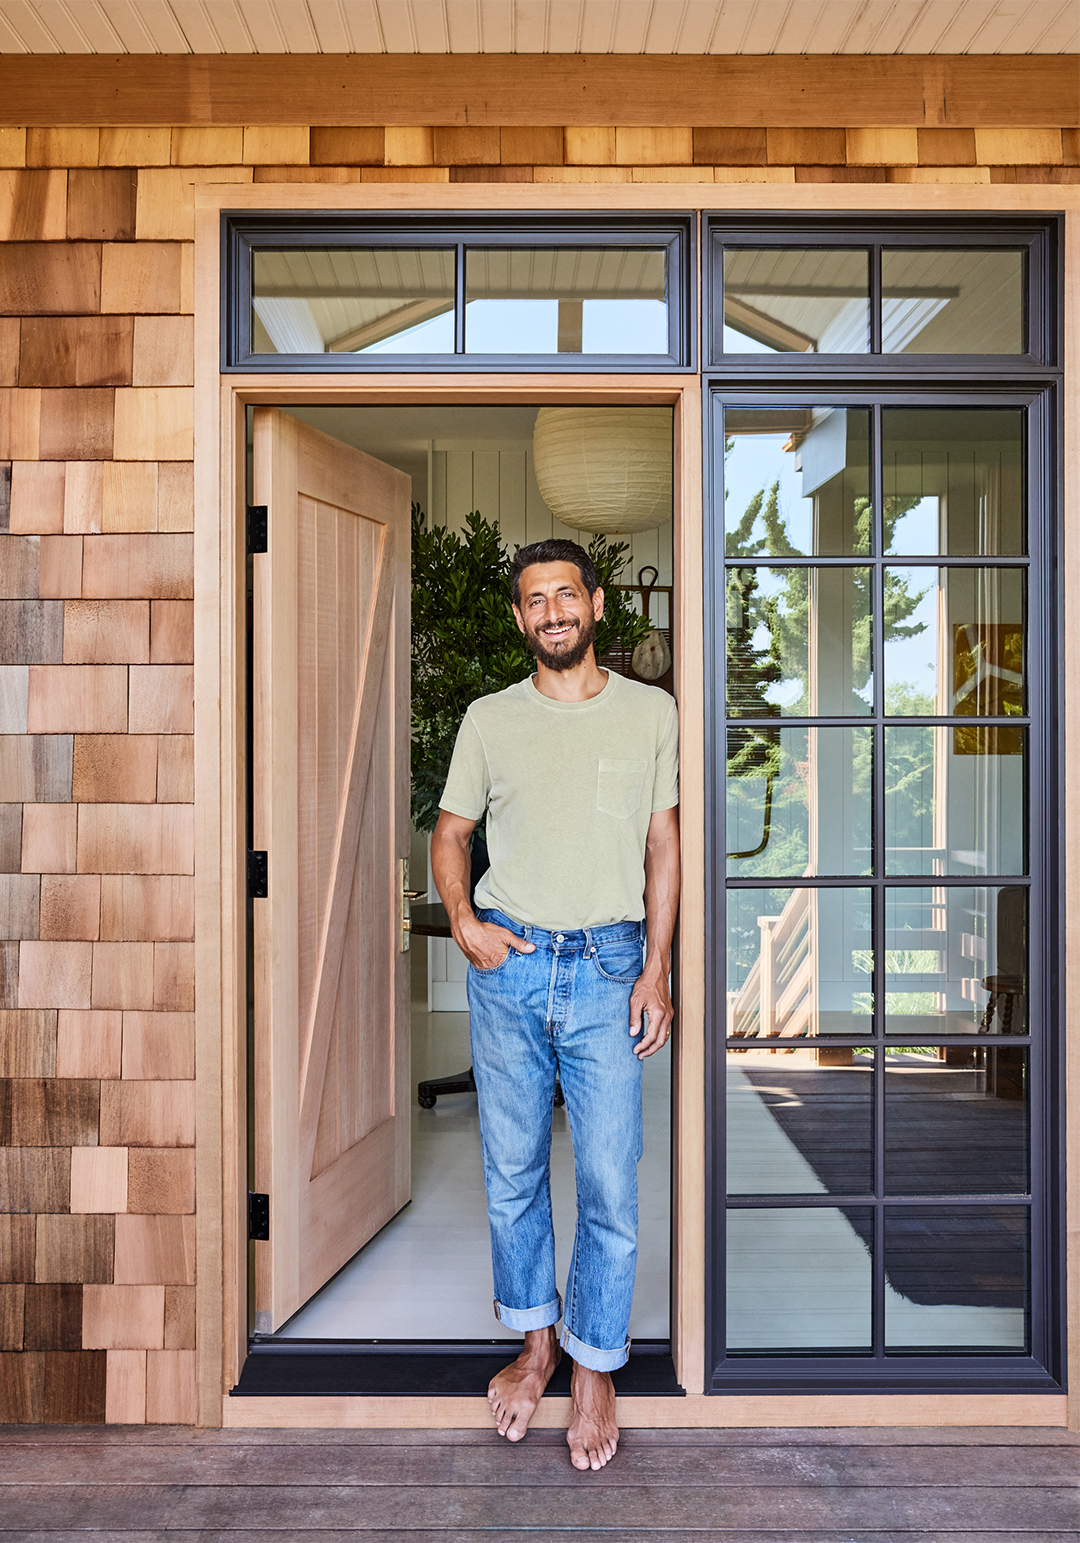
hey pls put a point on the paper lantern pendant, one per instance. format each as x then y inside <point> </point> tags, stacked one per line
<point>605,469</point>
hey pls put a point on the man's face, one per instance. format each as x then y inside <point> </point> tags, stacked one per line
<point>557,614</point>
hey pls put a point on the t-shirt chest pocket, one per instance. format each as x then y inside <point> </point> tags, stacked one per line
<point>618,786</point>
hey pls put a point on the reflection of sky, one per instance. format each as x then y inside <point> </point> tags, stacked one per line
<point>532,327</point>
<point>915,534</point>
<point>427,337</point>
<point>755,463</point>
<point>913,661</point>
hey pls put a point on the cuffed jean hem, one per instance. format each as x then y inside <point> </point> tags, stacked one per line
<point>524,1318</point>
<point>588,1355</point>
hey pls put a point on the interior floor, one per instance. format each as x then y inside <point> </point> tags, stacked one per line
<point>427,1274</point>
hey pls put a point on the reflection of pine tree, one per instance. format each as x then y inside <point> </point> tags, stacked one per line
<point>784,618</point>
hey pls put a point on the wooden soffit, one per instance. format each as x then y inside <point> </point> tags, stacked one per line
<point>776,91</point>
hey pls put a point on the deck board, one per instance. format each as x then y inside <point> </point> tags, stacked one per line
<point>132,1485</point>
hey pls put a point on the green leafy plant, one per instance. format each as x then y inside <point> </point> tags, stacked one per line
<point>465,642</point>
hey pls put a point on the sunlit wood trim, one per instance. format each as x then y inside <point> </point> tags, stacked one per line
<point>1046,1410</point>
<point>815,91</point>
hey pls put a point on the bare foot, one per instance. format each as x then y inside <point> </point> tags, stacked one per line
<point>515,1392</point>
<point>593,1434</point>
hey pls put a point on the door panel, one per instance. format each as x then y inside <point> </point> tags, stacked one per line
<point>331,761</point>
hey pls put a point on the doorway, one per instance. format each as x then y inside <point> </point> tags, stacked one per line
<point>424,1274</point>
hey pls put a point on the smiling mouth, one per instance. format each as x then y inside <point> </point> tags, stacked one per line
<point>558,630</point>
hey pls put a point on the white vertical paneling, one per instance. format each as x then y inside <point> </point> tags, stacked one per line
<point>485,488</point>
<point>459,487</point>
<point>437,480</point>
<point>538,517</point>
<point>513,496</point>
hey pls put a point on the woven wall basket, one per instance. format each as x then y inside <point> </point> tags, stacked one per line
<point>605,469</point>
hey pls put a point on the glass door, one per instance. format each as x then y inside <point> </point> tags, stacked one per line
<point>880,1013</point>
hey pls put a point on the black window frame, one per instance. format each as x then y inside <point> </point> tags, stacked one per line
<point>241,234</point>
<point>1035,383</point>
<point>1034,235</point>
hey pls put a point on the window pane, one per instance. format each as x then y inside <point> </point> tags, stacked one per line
<point>798,802</point>
<point>800,1122</point>
<point>797,481</point>
<point>799,963</point>
<point>956,961</point>
<point>799,1279</point>
<point>353,300</point>
<point>952,302</point>
<point>798,642</point>
<point>954,644</point>
<point>954,800</point>
<point>812,300</point>
<point>956,1120</point>
<point>956,1278</point>
<point>566,300</point>
<point>953,481</point>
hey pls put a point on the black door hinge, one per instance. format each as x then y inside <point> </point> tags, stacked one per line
<point>258,876</point>
<point>257,528</point>
<point>258,1217</point>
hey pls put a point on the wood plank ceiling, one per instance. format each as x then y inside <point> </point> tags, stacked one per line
<point>540,26</point>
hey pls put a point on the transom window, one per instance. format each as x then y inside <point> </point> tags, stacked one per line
<point>364,293</point>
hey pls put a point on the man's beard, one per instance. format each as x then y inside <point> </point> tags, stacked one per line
<point>565,658</point>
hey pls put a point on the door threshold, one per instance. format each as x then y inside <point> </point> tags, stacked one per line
<point>302,1368</point>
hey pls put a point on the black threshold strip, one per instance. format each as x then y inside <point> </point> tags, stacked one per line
<point>310,1367</point>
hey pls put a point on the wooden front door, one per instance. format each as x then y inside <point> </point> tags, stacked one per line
<point>331,810</point>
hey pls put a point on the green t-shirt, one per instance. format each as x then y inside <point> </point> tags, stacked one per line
<point>569,789</point>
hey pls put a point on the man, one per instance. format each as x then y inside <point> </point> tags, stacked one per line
<point>576,772</point>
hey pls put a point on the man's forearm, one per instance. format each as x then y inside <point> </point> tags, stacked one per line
<point>450,867</point>
<point>661,896</point>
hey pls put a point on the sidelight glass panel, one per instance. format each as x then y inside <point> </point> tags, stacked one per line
<point>800,1121</point>
<point>956,1278</point>
<point>797,481</point>
<point>354,300</point>
<point>798,642</point>
<point>954,800</point>
<point>954,645</point>
<point>799,963</point>
<point>956,1120</point>
<point>798,802</point>
<point>953,479</point>
<point>802,300</point>
<point>566,300</point>
<point>799,1279</point>
<point>952,302</point>
<point>956,961</point>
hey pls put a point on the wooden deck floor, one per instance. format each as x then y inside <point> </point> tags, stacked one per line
<point>740,1486</point>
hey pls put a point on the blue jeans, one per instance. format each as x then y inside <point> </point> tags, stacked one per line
<point>565,1009</point>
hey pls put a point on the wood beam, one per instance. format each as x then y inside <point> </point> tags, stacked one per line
<point>778,90</point>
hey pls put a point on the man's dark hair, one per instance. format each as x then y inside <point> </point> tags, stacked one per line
<point>555,550</point>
